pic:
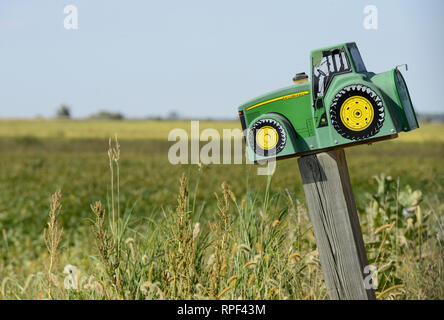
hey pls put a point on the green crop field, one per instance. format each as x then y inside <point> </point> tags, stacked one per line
<point>137,227</point>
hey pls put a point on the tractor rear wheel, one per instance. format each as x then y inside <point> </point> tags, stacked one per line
<point>267,137</point>
<point>357,112</point>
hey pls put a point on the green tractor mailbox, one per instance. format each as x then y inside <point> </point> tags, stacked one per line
<point>344,104</point>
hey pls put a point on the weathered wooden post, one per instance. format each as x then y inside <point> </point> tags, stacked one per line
<point>336,225</point>
<point>344,105</point>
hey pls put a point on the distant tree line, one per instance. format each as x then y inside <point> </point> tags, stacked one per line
<point>430,117</point>
<point>107,115</point>
<point>64,112</point>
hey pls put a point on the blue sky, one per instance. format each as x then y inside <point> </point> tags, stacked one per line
<point>200,58</point>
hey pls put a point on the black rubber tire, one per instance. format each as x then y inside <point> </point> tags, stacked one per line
<point>370,95</point>
<point>282,137</point>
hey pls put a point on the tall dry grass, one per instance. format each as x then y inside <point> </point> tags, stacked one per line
<point>53,235</point>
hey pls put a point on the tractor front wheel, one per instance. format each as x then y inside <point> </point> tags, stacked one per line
<point>267,137</point>
<point>357,112</point>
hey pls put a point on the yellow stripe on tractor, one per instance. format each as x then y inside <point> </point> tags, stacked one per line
<point>286,97</point>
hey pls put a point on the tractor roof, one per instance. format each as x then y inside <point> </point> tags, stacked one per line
<point>331,47</point>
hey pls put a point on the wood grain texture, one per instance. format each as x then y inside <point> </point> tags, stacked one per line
<point>335,223</point>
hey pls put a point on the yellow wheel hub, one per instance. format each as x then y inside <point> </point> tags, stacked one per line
<point>357,113</point>
<point>267,137</point>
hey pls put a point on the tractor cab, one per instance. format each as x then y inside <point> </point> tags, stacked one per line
<point>326,64</point>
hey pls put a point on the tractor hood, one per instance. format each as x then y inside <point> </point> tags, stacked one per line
<point>280,94</point>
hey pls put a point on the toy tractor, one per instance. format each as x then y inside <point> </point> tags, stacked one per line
<point>344,105</point>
